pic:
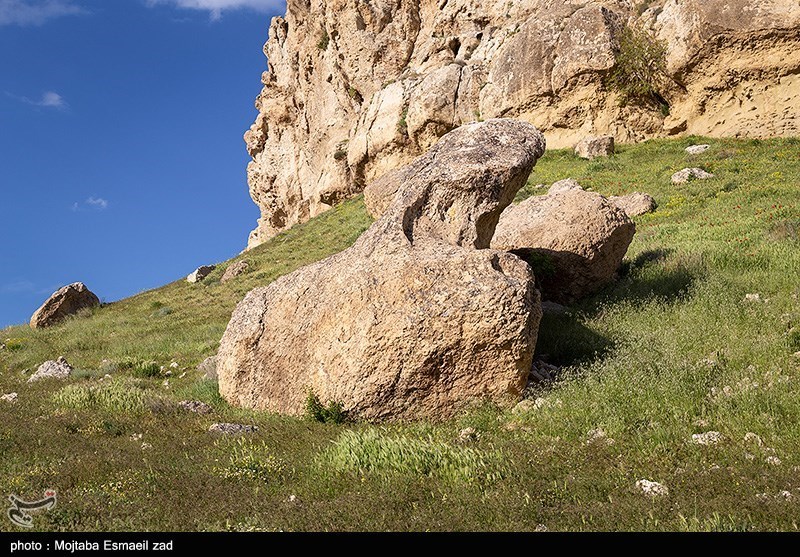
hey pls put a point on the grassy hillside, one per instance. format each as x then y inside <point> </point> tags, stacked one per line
<point>670,350</point>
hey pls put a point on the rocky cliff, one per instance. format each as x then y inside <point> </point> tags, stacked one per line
<point>357,87</point>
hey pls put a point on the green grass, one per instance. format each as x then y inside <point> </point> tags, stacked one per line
<point>669,350</point>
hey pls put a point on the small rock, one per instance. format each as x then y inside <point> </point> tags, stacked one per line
<point>785,494</point>
<point>753,298</point>
<point>541,371</point>
<point>200,273</point>
<point>652,489</point>
<point>540,528</point>
<point>697,149</point>
<point>592,147</point>
<point>773,460</point>
<point>208,368</point>
<point>701,423</point>
<point>291,499</point>
<point>196,406</point>
<point>751,437</point>
<point>598,436</point>
<point>136,437</point>
<point>107,376</point>
<point>707,438</point>
<point>58,369</point>
<point>688,174</point>
<point>763,497</point>
<point>468,435</point>
<point>10,397</point>
<point>234,270</point>
<point>182,375</point>
<point>165,383</point>
<point>174,365</point>
<point>146,446</point>
<point>634,204</point>
<point>232,429</point>
<point>168,373</point>
<point>749,456</point>
<point>564,185</point>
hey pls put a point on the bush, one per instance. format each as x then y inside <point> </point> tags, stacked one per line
<point>324,40</point>
<point>332,414</point>
<point>640,69</point>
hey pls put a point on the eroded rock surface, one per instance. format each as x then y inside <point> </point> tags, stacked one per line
<point>357,88</point>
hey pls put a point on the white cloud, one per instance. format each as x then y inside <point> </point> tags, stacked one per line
<point>49,99</point>
<point>98,203</point>
<point>217,7</point>
<point>35,12</point>
<point>93,203</point>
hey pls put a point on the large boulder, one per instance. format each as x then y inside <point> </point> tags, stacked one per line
<point>417,317</point>
<point>66,301</point>
<point>574,239</point>
<point>200,274</point>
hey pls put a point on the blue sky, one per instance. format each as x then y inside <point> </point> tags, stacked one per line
<point>122,163</point>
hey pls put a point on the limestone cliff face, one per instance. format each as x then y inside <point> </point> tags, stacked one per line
<point>355,88</point>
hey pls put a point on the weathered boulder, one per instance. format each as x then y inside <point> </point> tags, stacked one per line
<point>593,147</point>
<point>634,204</point>
<point>66,301</point>
<point>688,174</point>
<point>200,273</point>
<point>575,240</point>
<point>234,270</point>
<point>416,318</point>
<point>52,369</point>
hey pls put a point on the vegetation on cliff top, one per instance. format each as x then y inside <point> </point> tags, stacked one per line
<point>675,348</point>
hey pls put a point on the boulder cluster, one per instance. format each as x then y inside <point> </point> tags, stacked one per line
<point>436,304</point>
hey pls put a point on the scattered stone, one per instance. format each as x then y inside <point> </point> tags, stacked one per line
<point>52,369</point>
<point>754,298</point>
<point>688,174</point>
<point>528,405</point>
<point>146,446</point>
<point>174,365</point>
<point>554,308</point>
<point>291,499</point>
<point>232,429</point>
<point>598,436</point>
<point>652,489</point>
<point>575,241</point>
<point>786,495</point>
<point>540,528</point>
<point>773,460</point>
<point>468,435</point>
<point>564,185</point>
<point>10,397</point>
<point>200,274</point>
<point>168,373</point>
<point>165,383</point>
<point>762,497</point>
<point>751,437</point>
<point>541,371</point>
<point>234,270</point>
<point>66,301</point>
<point>634,204</point>
<point>697,149</point>
<point>707,438</point>
<point>195,406</point>
<point>749,456</point>
<point>593,147</point>
<point>700,422</point>
<point>136,437</point>
<point>389,327</point>
<point>208,368</point>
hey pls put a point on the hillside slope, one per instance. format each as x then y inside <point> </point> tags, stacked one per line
<point>672,349</point>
